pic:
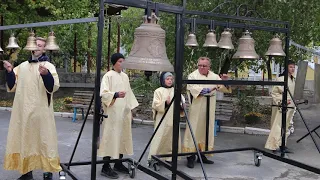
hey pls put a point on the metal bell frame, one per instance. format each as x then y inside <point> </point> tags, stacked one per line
<point>180,12</point>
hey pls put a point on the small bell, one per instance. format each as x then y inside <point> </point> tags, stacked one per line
<point>51,44</point>
<point>1,49</point>
<point>192,40</point>
<point>12,43</point>
<point>246,48</point>
<point>211,40</point>
<point>31,43</point>
<point>275,48</point>
<point>225,40</point>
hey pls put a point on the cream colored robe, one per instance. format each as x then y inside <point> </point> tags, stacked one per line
<point>32,137</point>
<point>274,139</point>
<point>162,141</point>
<point>197,112</point>
<point>116,129</point>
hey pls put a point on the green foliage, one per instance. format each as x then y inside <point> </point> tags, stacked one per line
<point>246,102</point>
<point>141,86</point>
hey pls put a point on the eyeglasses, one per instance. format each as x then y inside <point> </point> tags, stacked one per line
<point>203,66</point>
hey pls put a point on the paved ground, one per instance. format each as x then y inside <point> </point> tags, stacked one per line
<point>228,166</point>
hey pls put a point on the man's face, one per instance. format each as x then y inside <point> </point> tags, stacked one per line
<point>203,66</point>
<point>118,65</point>
<point>40,51</point>
<point>291,69</point>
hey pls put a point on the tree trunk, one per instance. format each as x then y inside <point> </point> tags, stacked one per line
<point>75,53</point>
<point>89,48</point>
<point>269,68</point>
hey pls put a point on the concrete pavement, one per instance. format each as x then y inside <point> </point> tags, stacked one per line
<point>228,166</point>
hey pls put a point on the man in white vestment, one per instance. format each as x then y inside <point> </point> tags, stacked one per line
<point>197,95</point>
<point>117,100</point>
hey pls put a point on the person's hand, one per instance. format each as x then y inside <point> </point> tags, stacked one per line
<point>7,66</point>
<point>212,89</point>
<point>43,70</point>
<point>168,100</point>
<point>205,91</point>
<point>224,76</point>
<point>122,94</point>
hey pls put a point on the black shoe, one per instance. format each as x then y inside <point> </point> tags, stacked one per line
<point>47,176</point>
<point>27,176</point>
<point>286,150</point>
<point>205,160</point>
<point>118,166</point>
<point>190,163</point>
<point>108,172</point>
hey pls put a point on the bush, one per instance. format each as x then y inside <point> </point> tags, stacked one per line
<point>252,117</point>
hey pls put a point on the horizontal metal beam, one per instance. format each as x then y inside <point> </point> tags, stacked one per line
<point>143,4</point>
<point>304,48</point>
<point>49,23</point>
<point>289,161</point>
<point>235,17</point>
<point>179,10</point>
<point>237,25</point>
<point>234,82</point>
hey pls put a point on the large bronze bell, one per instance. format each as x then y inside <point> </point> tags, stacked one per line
<point>51,44</point>
<point>225,40</point>
<point>31,43</point>
<point>148,52</point>
<point>12,43</point>
<point>192,40</point>
<point>211,40</point>
<point>246,48</point>
<point>275,48</point>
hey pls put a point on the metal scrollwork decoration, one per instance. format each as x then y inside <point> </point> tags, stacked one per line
<point>238,10</point>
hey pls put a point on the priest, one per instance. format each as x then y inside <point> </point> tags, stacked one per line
<point>197,95</point>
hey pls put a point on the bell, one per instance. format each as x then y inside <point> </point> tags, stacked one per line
<point>1,49</point>
<point>246,48</point>
<point>31,43</point>
<point>51,44</point>
<point>12,43</point>
<point>148,52</point>
<point>211,40</point>
<point>275,48</point>
<point>225,40</point>
<point>192,40</point>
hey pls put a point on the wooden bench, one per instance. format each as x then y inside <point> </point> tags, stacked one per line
<point>224,112</point>
<point>81,100</point>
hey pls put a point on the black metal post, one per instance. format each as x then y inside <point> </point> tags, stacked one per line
<point>177,91</point>
<point>80,133</point>
<point>284,97</point>
<point>207,122</point>
<point>96,119</point>
<point>155,131</point>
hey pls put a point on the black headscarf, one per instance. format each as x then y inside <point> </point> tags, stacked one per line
<point>115,57</point>
<point>163,77</point>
